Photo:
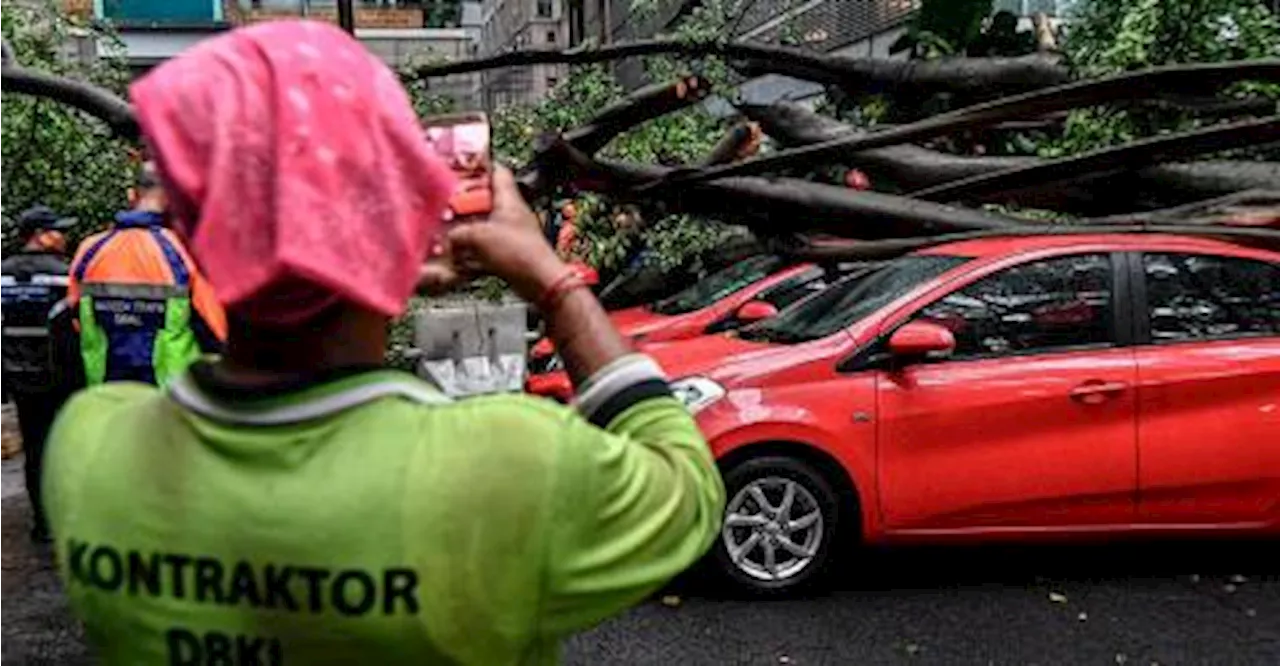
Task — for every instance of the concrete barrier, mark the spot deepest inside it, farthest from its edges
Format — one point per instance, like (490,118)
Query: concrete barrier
(472,347)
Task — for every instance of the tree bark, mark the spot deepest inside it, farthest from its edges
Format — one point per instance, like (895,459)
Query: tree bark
(772,207)
(1005,184)
(912,167)
(536,179)
(95,101)
(1128,86)
(740,142)
(638,108)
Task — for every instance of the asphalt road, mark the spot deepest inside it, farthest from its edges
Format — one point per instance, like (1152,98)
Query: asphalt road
(1215,604)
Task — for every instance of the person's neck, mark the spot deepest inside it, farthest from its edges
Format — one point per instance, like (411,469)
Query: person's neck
(263,355)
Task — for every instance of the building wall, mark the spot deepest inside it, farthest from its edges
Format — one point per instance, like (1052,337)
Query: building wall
(509,25)
(152,31)
(365,17)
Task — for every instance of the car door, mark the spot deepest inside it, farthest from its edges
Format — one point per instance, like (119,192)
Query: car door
(1209,389)
(1030,423)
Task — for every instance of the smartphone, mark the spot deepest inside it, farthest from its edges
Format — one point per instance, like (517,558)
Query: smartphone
(463,141)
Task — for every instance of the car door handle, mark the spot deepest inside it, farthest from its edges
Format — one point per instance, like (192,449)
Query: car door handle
(1095,391)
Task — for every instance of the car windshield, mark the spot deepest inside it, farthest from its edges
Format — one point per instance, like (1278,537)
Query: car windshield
(849,300)
(718,285)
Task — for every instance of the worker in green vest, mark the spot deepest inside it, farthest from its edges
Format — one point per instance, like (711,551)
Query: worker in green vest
(292,502)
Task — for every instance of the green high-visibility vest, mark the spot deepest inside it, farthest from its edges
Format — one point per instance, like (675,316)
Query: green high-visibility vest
(136,332)
(367,519)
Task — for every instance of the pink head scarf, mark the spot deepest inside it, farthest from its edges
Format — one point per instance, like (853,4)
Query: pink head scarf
(297,168)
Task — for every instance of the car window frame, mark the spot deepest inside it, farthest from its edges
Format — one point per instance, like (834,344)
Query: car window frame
(875,355)
(1141,303)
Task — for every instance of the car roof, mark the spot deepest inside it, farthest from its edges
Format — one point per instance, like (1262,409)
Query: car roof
(1014,244)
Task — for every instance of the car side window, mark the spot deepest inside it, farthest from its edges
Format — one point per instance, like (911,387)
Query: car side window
(1205,297)
(1040,306)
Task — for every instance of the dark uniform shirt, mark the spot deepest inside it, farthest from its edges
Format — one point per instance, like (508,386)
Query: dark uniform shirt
(34,282)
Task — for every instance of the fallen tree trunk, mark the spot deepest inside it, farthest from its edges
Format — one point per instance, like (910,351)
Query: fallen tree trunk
(972,76)
(1252,208)
(1003,185)
(1086,93)
(778,206)
(912,167)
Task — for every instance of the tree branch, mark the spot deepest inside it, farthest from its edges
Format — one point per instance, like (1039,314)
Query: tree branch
(7,58)
(95,101)
(1129,156)
(740,142)
(1259,207)
(623,50)
(772,207)
(913,167)
(639,107)
(969,76)
(1085,93)
(635,109)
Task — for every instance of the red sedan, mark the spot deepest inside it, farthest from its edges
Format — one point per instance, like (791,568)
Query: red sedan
(751,290)
(1023,388)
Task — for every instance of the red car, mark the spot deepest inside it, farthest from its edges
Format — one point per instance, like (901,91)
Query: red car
(751,290)
(1026,388)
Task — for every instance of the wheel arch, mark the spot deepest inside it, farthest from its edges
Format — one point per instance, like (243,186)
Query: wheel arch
(852,499)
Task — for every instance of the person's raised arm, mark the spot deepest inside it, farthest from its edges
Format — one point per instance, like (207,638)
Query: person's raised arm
(510,245)
(637,497)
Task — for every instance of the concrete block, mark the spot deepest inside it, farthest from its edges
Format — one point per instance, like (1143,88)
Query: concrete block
(472,347)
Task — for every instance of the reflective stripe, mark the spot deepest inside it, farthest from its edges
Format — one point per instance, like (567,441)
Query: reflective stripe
(177,267)
(152,292)
(24,332)
(91,253)
(613,379)
(40,279)
(52,280)
(184,392)
(58,308)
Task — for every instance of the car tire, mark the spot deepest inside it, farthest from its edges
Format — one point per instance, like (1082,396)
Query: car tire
(739,558)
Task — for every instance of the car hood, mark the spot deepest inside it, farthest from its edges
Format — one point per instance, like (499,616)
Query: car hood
(639,320)
(720,357)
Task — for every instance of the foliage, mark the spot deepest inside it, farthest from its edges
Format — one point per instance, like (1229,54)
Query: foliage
(679,138)
(1108,37)
(55,155)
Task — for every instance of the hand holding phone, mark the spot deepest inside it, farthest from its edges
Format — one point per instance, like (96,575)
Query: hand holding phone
(463,141)
(510,244)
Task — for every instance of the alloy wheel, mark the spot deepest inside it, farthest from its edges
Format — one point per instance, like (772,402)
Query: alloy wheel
(773,529)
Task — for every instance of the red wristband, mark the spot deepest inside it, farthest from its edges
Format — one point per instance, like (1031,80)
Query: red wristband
(557,290)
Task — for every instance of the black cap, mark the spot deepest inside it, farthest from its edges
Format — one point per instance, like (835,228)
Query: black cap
(40,218)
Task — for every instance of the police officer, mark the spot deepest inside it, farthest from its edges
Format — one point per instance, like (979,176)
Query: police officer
(34,281)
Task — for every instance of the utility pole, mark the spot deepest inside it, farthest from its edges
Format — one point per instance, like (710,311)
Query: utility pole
(346,16)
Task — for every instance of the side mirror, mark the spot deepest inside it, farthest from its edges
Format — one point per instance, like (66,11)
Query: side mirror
(753,311)
(921,338)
